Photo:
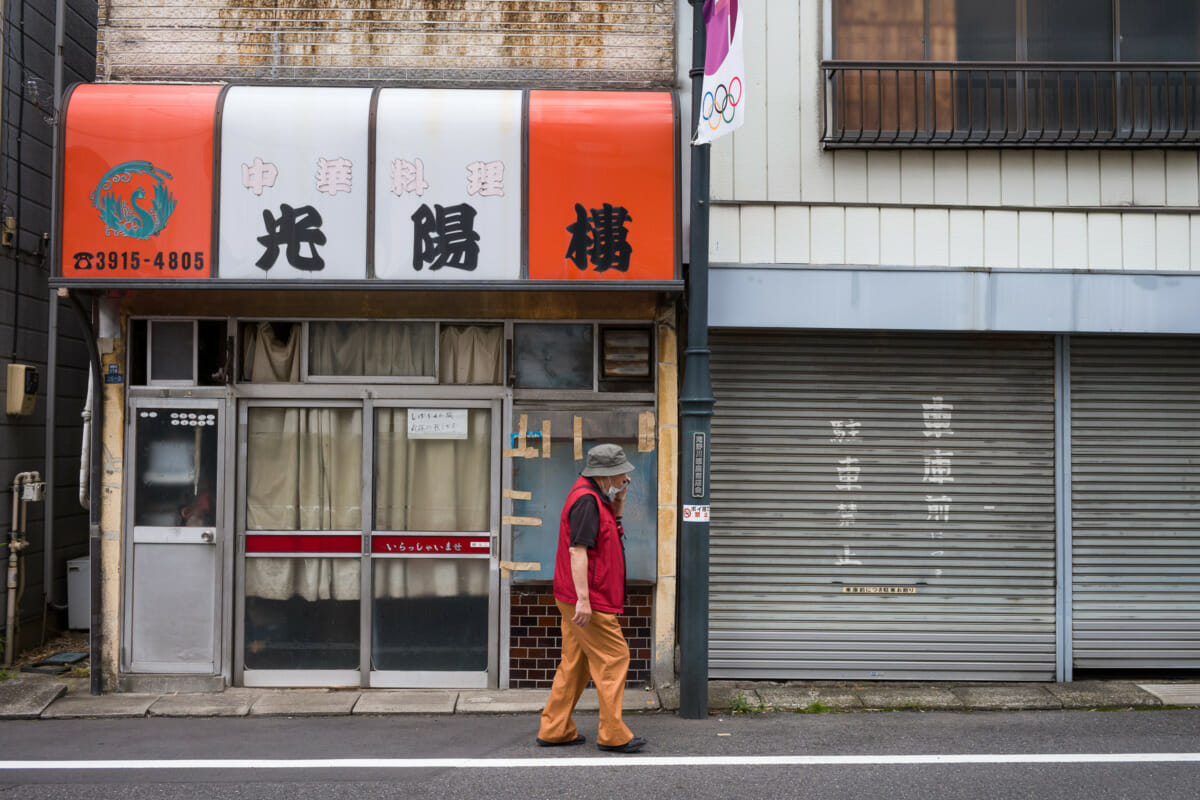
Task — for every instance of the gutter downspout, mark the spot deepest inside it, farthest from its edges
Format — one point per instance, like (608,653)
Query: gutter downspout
(48,604)
(696,408)
(94,635)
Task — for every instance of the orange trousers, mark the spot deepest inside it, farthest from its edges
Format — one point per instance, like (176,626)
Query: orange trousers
(597,650)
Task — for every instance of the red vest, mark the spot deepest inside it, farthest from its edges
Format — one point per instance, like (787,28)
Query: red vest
(606,560)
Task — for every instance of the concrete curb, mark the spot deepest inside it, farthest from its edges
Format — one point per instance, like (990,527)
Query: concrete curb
(44,698)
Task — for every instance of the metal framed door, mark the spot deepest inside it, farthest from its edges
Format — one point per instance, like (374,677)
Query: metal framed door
(173,555)
(369,547)
(432,570)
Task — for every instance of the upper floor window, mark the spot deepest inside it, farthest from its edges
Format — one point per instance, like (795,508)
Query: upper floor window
(1013,73)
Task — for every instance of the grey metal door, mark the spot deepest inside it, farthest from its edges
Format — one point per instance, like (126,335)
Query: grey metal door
(1135,502)
(882,506)
(173,556)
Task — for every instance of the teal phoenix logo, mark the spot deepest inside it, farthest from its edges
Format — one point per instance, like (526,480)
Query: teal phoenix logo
(124,207)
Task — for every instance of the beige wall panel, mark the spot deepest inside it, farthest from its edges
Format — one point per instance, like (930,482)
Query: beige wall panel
(983,178)
(1195,226)
(916,177)
(1183,188)
(1138,241)
(750,141)
(896,236)
(1070,240)
(783,101)
(792,234)
(850,176)
(862,236)
(1083,177)
(1149,178)
(828,235)
(950,177)
(724,234)
(1050,178)
(757,235)
(816,165)
(1104,241)
(966,238)
(1000,238)
(883,176)
(1037,240)
(1116,178)
(1173,241)
(482,42)
(1016,178)
(931,236)
(720,181)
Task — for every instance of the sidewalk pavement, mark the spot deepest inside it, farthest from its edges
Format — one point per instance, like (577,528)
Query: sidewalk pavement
(46,697)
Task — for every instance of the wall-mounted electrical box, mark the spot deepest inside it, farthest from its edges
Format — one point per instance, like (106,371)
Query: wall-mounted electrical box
(21,389)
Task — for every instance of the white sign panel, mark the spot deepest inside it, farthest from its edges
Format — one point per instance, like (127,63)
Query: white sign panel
(448,185)
(695,513)
(294,178)
(437,423)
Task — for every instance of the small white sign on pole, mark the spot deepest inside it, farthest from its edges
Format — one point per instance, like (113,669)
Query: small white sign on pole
(695,513)
(437,423)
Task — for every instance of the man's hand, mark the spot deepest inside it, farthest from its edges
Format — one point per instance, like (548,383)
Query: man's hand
(583,612)
(618,503)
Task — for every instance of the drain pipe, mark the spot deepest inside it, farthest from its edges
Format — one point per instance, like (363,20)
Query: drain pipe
(696,408)
(94,635)
(17,542)
(48,526)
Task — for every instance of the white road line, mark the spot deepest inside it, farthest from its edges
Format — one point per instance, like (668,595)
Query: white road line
(606,761)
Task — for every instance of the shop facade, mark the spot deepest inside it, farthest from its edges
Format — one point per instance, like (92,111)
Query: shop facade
(356,343)
(952,319)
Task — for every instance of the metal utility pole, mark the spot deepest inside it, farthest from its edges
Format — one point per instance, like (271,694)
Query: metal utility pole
(696,408)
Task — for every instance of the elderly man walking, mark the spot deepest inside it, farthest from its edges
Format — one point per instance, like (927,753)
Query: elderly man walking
(589,589)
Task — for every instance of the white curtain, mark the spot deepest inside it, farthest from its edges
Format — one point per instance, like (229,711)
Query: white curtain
(304,465)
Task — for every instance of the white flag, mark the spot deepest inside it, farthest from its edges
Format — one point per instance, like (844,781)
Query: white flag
(721,106)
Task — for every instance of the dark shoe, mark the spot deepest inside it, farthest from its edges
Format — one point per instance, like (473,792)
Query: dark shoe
(632,746)
(580,739)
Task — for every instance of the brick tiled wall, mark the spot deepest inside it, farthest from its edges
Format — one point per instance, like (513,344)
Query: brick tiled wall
(536,641)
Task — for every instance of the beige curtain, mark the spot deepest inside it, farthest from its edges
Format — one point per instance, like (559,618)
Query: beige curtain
(267,359)
(393,349)
(472,354)
(304,465)
(431,485)
(304,473)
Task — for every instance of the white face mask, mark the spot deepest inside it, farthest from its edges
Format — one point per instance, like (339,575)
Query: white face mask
(612,492)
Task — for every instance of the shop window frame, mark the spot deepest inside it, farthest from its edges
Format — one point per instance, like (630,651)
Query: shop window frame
(139,355)
(1015,102)
(598,391)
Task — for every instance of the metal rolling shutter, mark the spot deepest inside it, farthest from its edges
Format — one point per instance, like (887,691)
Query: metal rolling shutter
(783,552)
(1135,499)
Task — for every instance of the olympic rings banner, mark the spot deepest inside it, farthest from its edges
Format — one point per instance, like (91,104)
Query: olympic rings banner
(721,106)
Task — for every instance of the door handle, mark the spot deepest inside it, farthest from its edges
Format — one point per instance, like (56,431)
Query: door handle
(207,537)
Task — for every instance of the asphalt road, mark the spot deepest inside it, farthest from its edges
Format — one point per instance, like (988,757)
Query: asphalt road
(897,756)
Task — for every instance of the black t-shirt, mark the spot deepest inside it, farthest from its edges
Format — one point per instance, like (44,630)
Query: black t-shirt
(584,519)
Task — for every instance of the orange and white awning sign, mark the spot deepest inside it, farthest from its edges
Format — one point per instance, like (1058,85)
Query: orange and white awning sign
(321,184)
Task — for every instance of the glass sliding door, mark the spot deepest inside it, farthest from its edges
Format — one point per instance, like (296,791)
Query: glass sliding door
(302,523)
(433,545)
(391,502)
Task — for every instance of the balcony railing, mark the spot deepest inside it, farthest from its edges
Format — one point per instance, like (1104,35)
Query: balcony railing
(991,104)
